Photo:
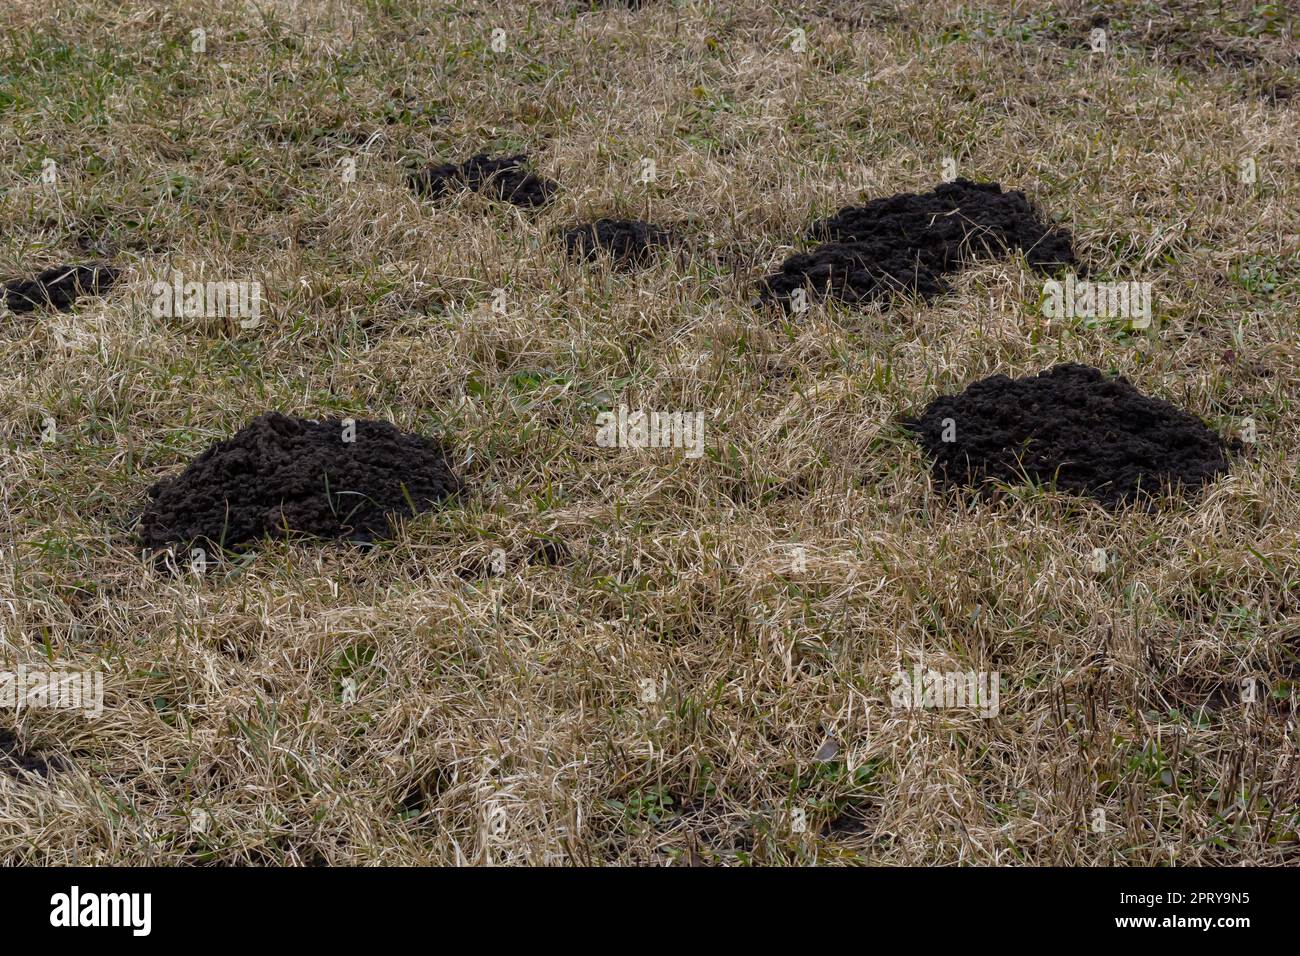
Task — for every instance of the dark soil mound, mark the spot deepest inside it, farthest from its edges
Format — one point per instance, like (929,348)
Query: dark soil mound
(58,287)
(854,272)
(628,242)
(14,759)
(905,244)
(281,475)
(1071,427)
(504,178)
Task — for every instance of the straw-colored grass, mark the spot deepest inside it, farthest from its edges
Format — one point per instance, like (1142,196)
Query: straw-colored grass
(663,695)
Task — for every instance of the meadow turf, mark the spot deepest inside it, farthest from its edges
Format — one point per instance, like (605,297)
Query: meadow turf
(702,675)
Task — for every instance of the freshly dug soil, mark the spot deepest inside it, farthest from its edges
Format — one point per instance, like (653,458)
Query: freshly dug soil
(1071,427)
(14,759)
(281,475)
(906,244)
(504,178)
(628,242)
(58,287)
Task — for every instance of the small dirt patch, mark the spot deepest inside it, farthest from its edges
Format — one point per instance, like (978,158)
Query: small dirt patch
(280,476)
(1071,427)
(14,760)
(58,287)
(627,242)
(505,178)
(906,244)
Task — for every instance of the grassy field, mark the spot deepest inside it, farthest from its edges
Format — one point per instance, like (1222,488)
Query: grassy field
(705,679)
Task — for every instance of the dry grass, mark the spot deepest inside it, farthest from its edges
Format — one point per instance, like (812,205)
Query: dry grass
(517,701)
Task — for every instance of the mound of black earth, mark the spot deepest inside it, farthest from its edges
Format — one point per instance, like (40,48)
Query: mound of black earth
(627,242)
(1072,428)
(58,287)
(281,476)
(505,178)
(14,760)
(907,244)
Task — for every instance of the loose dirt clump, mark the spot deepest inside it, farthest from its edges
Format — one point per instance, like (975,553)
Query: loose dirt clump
(627,242)
(280,476)
(58,287)
(14,760)
(906,244)
(505,178)
(1072,428)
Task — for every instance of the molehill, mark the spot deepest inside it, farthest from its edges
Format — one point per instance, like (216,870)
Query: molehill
(58,287)
(505,178)
(1071,427)
(281,475)
(14,759)
(906,244)
(627,242)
